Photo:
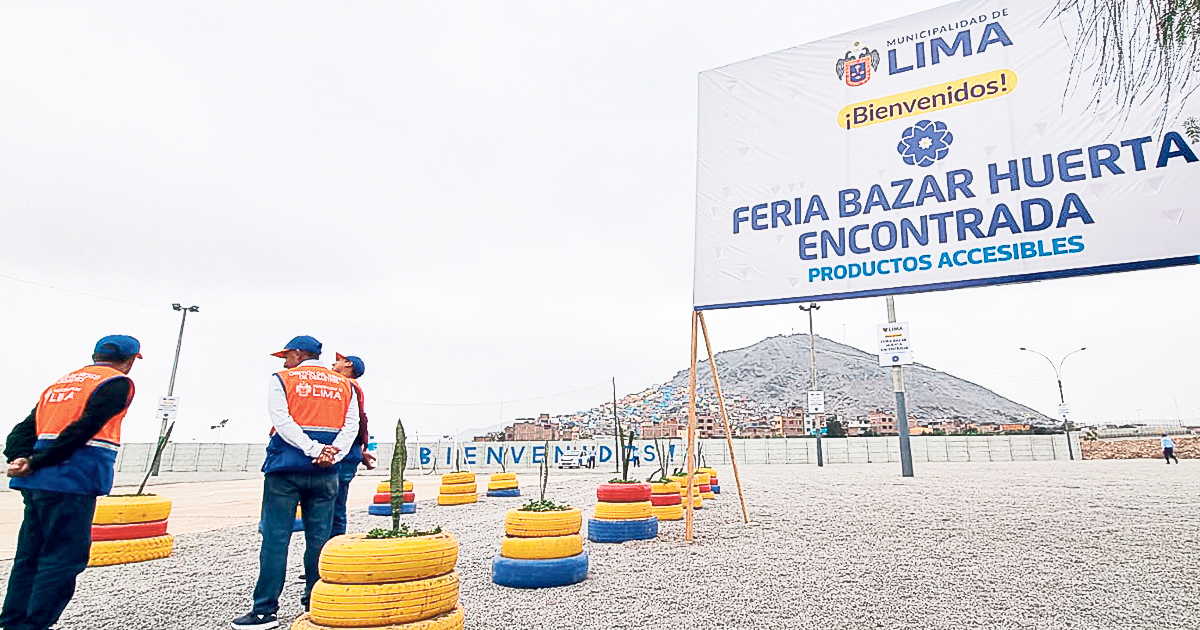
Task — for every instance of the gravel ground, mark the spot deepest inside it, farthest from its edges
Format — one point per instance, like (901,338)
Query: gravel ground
(1105,544)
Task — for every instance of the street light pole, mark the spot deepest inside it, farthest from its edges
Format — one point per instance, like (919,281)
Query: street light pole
(812,355)
(174,367)
(1061,399)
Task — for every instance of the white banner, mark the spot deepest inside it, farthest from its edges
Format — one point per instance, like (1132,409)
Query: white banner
(951,148)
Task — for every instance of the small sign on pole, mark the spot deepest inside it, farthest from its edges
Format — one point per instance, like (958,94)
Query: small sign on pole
(167,407)
(893,344)
(1064,411)
(816,402)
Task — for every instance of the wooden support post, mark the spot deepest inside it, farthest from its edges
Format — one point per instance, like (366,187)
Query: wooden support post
(712,363)
(691,431)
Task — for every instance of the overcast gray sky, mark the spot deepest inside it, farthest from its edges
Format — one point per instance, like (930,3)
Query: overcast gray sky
(487,201)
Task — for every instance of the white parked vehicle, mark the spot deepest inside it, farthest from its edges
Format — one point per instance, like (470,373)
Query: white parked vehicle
(573,458)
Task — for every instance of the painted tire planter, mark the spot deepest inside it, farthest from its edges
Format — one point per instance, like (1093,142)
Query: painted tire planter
(452,620)
(541,550)
(666,504)
(130,529)
(388,584)
(628,507)
(600,531)
(458,489)
(511,492)
(712,480)
(668,512)
(381,503)
(503,481)
(540,573)
(716,489)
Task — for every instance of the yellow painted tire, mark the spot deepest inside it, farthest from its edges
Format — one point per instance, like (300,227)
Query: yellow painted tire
(354,559)
(701,479)
(458,488)
(635,511)
(502,485)
(697,501)
(665,488)
(668,512)
(106,552)
(541,548)
(452,620)
(711,472)
(457,499)
(458,477)
(386,486)
(135,509)
(352,605)
(536,524)
(708,496)
(503,477)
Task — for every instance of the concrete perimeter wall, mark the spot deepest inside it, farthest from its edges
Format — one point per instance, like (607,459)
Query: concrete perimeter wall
(204,457)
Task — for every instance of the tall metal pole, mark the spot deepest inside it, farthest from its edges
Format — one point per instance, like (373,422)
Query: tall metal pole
(1061,400)
(617,454)
(812,357)
(906,467)
(174,367)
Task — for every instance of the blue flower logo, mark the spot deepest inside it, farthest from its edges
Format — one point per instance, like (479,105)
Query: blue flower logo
(925,143)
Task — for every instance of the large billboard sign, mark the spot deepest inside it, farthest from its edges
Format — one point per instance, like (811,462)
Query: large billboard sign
(962,146)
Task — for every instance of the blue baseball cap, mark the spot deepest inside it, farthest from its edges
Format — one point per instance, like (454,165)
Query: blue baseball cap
(304,343)
(356,363)
(121,345)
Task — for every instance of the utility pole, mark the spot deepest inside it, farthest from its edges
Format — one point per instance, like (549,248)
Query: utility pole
(616,427)
(174,367)
(812,356)
(906,467)
(1061,400)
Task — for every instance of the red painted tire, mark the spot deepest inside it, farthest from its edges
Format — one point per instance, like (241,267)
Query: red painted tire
(383,497)
(659,500)
(705,488)
(129,531)
(623,492)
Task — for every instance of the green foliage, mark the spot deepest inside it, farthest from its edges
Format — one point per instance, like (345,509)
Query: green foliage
(1191,127)
(543,505)
(545,471)
(401,532)
(399,462)
(835,428)
(620,480)
(659,479)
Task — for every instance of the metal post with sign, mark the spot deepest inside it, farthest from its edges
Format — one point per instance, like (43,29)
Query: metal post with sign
(894,351)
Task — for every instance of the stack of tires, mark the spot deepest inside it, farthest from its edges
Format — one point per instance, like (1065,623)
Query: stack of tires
(697,500)
(623,512)
(388,583)
(381,505)
(130,529)
(503,485)
(704,484)
(713,482)
(666,504)
(541,550)
(458,488)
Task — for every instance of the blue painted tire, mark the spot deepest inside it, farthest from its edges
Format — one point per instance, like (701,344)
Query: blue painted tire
(297,526)
(516,573)
(621,531)
(716,489)
(507,492)
(385,509)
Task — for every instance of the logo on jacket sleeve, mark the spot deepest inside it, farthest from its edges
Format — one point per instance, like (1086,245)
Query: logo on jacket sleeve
(856,68)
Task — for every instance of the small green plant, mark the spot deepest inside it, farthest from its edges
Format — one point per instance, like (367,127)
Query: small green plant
(658,479)
(401,532)
(664,457)
(399,461)
(1191,127)
(503,459)
(544,505)
(544,472)
(620,480)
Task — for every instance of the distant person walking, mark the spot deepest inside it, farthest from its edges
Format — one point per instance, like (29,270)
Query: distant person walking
(1168,447)
(352,368)
(314,415)
(61,458)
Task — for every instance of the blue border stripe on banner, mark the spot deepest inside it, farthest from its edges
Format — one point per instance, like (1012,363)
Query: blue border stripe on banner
(962,284)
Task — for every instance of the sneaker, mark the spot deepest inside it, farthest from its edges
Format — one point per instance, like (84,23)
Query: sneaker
(254,621)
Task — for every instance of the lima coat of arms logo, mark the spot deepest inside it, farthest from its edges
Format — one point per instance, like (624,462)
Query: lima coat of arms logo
(856,70)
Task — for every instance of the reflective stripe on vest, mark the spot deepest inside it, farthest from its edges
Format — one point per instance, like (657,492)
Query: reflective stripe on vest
(317,397)
(64,402)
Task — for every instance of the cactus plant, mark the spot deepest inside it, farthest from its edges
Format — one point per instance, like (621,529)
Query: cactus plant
(399,461)
(544,472)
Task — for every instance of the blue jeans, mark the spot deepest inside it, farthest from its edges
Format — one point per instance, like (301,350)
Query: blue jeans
(315,493)
(52,549)
(345,474)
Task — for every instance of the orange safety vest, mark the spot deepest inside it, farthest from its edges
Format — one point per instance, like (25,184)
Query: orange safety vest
(317,397)
(63,403)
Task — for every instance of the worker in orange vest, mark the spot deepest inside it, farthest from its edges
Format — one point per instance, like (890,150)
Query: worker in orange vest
(61,458)
(314,415)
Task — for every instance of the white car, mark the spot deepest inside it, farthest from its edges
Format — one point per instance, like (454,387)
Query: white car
(572,458)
